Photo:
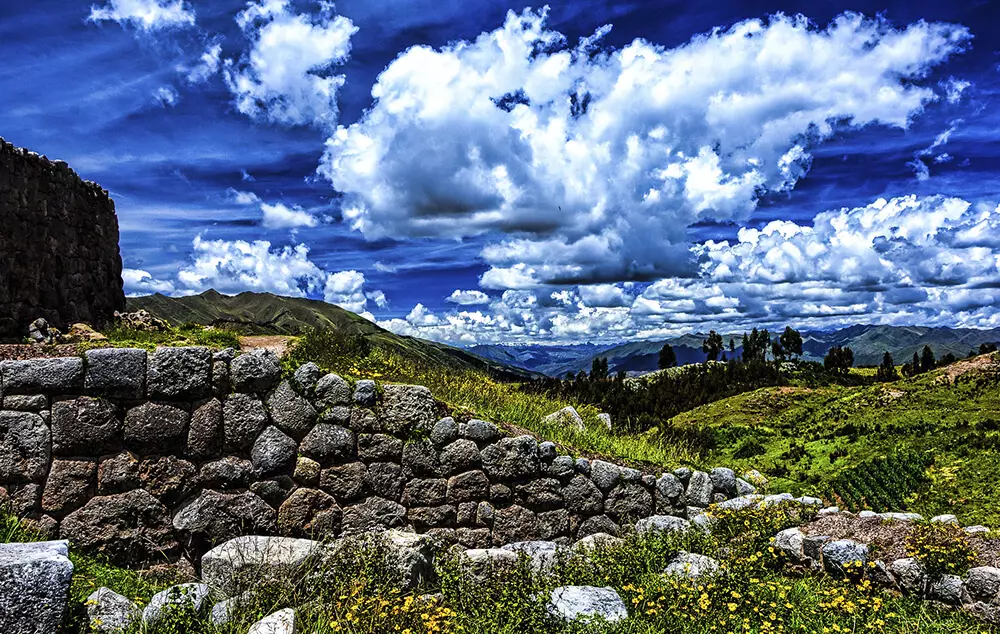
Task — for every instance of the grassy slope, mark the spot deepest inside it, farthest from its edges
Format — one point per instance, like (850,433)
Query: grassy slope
(264,313)
(955,424)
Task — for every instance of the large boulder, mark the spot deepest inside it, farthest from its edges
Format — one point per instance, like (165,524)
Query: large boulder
(328,443)
(983,583)
(46,376)
(947,589)
(511,458)
(309,512)
(582,496)
(205,436)
(169,478)
(116,373)
(34,586)
(69,485)
(331,391)
(629,500)
(909,575)
(25,447)
(255,372)
(570,603)
(240,564)
(605,475)
(131,527)
(723,480)
(85,426)
(179,373)
(515,523)
(567,417)
(480,431)
(379,447)
(460,455)
(699,489)
(791,542)
(110,612)
(214,517)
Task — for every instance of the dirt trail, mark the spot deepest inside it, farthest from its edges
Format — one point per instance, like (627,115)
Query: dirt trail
(278,344)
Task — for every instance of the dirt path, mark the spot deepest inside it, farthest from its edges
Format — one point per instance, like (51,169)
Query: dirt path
(278,344)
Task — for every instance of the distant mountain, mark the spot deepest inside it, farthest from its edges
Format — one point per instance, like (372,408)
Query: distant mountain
(265,313)
(869,343)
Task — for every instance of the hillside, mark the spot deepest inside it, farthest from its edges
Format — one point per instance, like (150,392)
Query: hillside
(265,313)
(832,439)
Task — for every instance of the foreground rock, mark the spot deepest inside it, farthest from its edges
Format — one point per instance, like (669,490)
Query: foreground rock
(189,597)
(692,566)
(241,563)
(109,611)
(281,622)
(34,585)
(582,602)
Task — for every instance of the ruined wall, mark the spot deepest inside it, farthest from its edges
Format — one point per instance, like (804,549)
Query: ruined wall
(59,256)
(140,455)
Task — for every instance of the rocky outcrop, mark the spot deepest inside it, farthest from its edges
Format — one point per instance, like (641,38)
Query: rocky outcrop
(59,243)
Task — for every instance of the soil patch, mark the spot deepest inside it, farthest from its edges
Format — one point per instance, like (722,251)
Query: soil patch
(19,352)
(278,344)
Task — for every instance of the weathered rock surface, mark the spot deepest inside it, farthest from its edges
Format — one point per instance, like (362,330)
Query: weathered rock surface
(108,611)
(131,527)
(580,602)
(24,447)
(239,564)
(692,566)
(186,596)
(34,586)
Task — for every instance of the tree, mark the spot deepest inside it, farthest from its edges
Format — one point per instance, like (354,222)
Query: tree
(927,361)
(712,346)
(987,348)
(755,346)
(777,351)
(887,371)
(791,341)
(599,369)
(732,348)
(667,358)
(915,364)
(839,360)
(907,369)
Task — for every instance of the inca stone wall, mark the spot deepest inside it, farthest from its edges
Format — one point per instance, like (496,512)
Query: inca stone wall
(59,256)
(140,456)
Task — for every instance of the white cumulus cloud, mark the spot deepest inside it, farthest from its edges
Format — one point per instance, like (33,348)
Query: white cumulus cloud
(285,76)
(148,15)
(468,298)
(140,282)
(280,216)
(595,162)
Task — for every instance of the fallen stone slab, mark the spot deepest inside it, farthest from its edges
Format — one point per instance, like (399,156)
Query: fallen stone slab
(281,622)
(587,602)
(34,585)
(241,563)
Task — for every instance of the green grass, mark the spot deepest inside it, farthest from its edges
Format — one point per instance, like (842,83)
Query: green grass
(805,438)
(184,335)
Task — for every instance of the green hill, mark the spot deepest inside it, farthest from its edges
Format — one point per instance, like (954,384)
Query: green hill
(267,314)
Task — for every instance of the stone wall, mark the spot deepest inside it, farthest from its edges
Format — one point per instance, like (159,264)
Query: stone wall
(143,456)
(59,256)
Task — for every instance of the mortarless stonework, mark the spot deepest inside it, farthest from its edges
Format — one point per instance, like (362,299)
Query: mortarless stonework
(141,457)
(59,256)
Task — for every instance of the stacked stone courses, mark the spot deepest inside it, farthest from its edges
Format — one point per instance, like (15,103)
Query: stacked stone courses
(141,456)
(59,255)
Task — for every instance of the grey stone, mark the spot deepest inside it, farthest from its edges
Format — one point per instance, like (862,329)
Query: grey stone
(118,473)
(466,513)
(359,419)
(944,519)
(683,474)
(511,458)
(205,432)
(274,491)
(273,453)
(812,546)
(909,574)
(191,597)
(169,478)
(421,459)
(423,518)
(230,472)
(547,451)
(567,417)
(582,466)
(468,487)
(243,563)
(69,485)
(407,407)
(542,555)
(723,480)
(501,494)
(661,524)
(605,475)
(156,428)
(243,418)
(776,499)
(345,482)
(597,541)
(561,467)
(108,611)
(830,510)
(430,492)
(571,603)
(308,513)
(445,431)
(481,431)
(307,471)
(281,622)
(540,494)
(47,376)
(291,413)
(978,529)
(131,527)
(699,489)
(331,390)
(179,373)
(692,566)
(983,583)
(460,455)
(844,556)
(597,524)
(25,447)
(900,517)
(364,393)
(744,488)
(583,497)
(116,373)
(630,475)
(328,443)
(629,500)
(224,612)
(791,542)
(473,537)
(554,525)
(485,514)
(306,377)
(34,586)
(85,426)
(947,589)
(214,517)
(374,512)
(255,372)
(740,503)
(808,500)
(605,419)
(222,386)
(26,402)
(386,478)
(514,523)
(379,447)
(412,555)
(23,499)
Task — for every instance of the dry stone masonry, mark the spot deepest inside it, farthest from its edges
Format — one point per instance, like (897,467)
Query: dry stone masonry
(59,256)
(140,455)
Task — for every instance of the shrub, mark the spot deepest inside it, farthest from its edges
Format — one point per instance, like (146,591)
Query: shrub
(941,548)
(748,448)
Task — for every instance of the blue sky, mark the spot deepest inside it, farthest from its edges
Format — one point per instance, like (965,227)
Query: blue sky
(492,172)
